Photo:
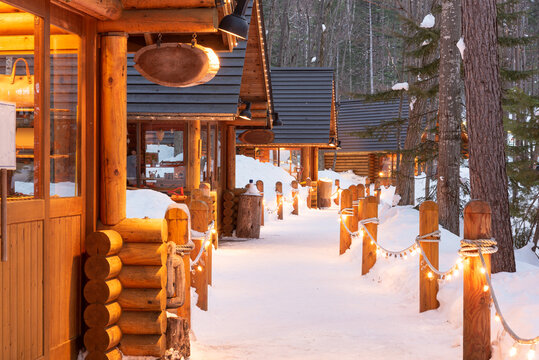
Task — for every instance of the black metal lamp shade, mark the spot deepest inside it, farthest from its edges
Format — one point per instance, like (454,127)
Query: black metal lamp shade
(236,23)
(245,114)
(276,120)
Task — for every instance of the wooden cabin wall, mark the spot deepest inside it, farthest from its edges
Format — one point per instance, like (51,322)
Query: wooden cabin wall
(357,162)
(40,299)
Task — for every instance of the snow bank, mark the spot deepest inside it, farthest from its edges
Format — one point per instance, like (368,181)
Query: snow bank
(147,203)
(400,86)
(428,21)
(346,178)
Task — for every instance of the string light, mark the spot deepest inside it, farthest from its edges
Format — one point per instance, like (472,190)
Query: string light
(213,231)
(430,275)
(513,350)
(482,270)
(497,318)
(199,268)
(485,288)
(531,352)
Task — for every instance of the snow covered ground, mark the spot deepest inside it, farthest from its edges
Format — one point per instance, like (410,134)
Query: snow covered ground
(289,295)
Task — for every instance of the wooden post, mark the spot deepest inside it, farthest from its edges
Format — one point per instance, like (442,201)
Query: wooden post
(345,237)
(248,225)
(378,193)
(367,187)
(199,213)
(355,216)
(295,196)
(370,210)
(324,193)
(476,301)
(230,164)
(305,163)
(428,286)
(279,191)
(113,127)
(309,199)
(194,152)
(337,187)
(360,204)
(314,165)
(205,189)
(179,231)
(260,187)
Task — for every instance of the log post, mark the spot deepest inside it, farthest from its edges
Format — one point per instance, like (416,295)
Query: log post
(360,205)
(260,187)
(194,153)
(476,301)
(314,164)
(230,164)
(295,197)
(428,285)
(309,199)
(305,163)
(355,217)
(346,221)
(279,192)
(113,127)
(378,193)
(337,187)
(324,193)
(199,213)
(179,231)
(370,210)
(248,225)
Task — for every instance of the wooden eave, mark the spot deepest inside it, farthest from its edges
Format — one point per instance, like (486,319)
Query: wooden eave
(134,117)
(322,146)
(255,82)
(175,20)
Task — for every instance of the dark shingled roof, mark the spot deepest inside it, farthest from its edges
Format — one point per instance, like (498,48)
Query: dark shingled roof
(216,98)
(357,115)
(302,97)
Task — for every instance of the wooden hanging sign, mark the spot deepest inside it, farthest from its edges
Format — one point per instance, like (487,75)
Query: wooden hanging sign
(258,136)
(177,64)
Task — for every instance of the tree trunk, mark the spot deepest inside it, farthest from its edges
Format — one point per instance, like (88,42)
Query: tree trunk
(449,116)
(488,177)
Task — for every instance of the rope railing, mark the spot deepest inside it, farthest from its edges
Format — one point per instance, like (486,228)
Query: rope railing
(206,237)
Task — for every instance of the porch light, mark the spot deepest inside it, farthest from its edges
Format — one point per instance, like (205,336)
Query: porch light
(236,23)
(276,120)
(245,114)
(332,142)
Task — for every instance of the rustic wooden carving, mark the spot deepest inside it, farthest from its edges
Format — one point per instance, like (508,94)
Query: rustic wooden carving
(258,136)
(176,64)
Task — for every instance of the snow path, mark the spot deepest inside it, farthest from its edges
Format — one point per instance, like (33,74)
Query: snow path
(289,295)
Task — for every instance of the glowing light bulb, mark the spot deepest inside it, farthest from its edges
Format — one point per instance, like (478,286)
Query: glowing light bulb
(339,220)
(199,268)
(372,242)
(213,231)
(207,245)
(497,318)
(513,350)
(482,270)
(449,276)
(485,288)
(531,353)
(378,251)
(430,275)
(405,257)
(456,272)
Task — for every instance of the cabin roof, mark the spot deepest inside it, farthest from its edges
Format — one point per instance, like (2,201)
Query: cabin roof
(303,98)
(214,100)
(357,115)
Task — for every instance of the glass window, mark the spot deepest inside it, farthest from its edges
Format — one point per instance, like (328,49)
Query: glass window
(64,114)
(17,86)
(164,166)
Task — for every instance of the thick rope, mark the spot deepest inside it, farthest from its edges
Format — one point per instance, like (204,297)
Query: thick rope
(473,247)
(507,328)
(206,237)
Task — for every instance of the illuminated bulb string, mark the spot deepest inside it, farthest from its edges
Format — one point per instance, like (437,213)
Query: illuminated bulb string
(518,340)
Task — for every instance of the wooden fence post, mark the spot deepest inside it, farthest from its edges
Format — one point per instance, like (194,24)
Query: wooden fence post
(355,217)
(428,285)
(378,193)
(260,187)
(309,199)
(199,213)
(179,231)
(324,193)
(476,301)
(337,187)
(346,219)
(370,210)
(360,204)
(279,192)
(295,196)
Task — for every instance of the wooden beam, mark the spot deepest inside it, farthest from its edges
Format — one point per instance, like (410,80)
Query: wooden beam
(21,24)
(16,44)
(161,4)
(193,155)
(255,122)
(113,127)
(101,9)
(230,163)
(203,20)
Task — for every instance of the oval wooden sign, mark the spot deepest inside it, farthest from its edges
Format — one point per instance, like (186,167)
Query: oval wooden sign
(258,136)
(177,65)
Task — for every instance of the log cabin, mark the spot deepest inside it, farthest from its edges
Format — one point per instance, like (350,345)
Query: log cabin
(66,61)
(304,99)
(370,157)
